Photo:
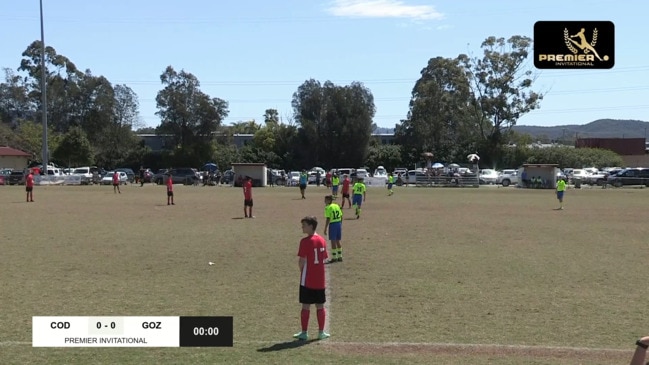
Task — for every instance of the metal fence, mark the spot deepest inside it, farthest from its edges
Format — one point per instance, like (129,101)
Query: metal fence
(465,181)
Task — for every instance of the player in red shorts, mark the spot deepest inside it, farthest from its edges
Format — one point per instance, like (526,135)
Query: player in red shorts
(312,254)
(346,183)
(29,186)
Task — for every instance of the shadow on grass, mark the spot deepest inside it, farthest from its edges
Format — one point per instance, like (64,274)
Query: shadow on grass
(286,345)
(237,218)
(298,199)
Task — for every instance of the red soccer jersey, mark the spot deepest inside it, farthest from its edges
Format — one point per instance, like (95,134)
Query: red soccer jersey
(170,184)
(314,250)
(346,186)
(116,178)
(29,181)
(247,190)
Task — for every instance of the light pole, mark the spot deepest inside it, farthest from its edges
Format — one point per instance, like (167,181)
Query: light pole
(45,151)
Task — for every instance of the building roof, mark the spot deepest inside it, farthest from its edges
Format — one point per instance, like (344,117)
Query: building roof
(8,151)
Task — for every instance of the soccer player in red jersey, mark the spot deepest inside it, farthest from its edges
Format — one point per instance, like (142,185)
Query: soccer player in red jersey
(170,190)
(116,182)
(312,256)
(29,186)
(247,197)
(346,184)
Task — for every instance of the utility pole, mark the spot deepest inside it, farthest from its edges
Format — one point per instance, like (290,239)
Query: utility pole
(45,151)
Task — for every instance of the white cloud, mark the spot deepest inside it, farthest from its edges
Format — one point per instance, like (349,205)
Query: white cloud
(383,9)
(444,27)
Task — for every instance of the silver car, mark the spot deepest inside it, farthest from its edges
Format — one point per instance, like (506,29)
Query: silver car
(508,177)
(488,176)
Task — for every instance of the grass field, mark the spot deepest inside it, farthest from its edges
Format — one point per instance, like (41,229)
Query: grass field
(431,276)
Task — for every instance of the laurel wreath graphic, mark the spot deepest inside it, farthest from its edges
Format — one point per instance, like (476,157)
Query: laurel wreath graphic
(566,38)
(593,42)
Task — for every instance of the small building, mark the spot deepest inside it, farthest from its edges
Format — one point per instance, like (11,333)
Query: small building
(257,171)
(11,158)
(547,173)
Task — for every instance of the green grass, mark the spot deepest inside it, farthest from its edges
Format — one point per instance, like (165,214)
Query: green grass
(455,266)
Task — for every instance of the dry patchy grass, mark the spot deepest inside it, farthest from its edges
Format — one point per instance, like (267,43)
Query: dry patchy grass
(432,266)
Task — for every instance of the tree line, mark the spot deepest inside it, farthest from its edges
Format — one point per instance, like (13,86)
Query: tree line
(458,106)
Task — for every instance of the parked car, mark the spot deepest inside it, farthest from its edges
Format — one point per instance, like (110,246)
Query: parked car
(596,178)
(630,177)
(108,178)
(313,177)
(54,171)
(16,177)
(293,178)
(362,173)
(129,173)
(158,177)
(580,174)
(278,177)
(400,170)
(4,176)
(148,176)
(412,176)
(488,176)
(323,172)
(227,177)
(345,171)
(507,177)
(180,175)
(381,172)
(85,173)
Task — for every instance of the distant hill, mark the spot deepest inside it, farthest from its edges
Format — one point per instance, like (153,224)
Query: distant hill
(602,128)
(383,130)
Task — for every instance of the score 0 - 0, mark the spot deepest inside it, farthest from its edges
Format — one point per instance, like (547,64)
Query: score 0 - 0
(102,326)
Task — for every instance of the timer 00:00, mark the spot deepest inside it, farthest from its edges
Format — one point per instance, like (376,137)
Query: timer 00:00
(209,331)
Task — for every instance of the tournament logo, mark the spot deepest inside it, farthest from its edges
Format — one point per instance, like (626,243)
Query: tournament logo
(574,45)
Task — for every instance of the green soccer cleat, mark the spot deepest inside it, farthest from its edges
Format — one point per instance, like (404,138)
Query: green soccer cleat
(323,335)
(302,336)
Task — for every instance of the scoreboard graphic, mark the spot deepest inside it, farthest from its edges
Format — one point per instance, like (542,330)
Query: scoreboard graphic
(77,331)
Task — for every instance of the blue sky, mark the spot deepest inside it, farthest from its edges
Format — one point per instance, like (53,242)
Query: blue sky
(255,53)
